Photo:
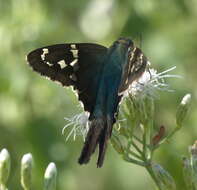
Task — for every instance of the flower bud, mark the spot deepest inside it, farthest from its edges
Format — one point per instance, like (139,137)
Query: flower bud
(165,179)
(183,109)
(50,177)
(26,171)
(4,167)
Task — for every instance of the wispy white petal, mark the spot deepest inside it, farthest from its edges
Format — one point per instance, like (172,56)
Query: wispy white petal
(151,82)
(79,124)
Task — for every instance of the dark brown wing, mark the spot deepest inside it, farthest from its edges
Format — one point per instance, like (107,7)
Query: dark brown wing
(79,65)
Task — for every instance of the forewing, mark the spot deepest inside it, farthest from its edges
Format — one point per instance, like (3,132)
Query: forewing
(79,65)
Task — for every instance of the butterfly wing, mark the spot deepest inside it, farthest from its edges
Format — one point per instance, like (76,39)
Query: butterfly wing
(78,65)
(135,67)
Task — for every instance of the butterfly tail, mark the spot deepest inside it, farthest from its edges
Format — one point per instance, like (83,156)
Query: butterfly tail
(105,136)
(98,134)
(92,140)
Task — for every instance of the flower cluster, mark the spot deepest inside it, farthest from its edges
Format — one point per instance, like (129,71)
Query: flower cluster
(150,83)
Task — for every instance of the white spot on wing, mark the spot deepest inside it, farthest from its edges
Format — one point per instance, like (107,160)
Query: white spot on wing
(49,64)
(73,46)
(62,64)
(43,56)
(45,51)
(74,52)
(73,62)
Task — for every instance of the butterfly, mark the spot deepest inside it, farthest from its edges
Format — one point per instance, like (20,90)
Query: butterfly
(100,76)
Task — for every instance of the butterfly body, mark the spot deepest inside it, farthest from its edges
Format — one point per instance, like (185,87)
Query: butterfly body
(108,85)
(100,75)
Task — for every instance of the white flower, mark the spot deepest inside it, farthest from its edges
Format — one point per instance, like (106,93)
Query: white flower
(79,124)
(150,82)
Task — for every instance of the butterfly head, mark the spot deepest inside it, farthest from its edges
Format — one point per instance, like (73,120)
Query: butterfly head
(124,43)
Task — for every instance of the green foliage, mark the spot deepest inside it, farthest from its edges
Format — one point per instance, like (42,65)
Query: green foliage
(138,146)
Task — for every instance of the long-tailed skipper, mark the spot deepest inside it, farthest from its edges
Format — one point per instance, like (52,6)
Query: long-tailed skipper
(100,76)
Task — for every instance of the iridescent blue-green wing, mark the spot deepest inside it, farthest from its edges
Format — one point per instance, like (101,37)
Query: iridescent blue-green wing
(78,65)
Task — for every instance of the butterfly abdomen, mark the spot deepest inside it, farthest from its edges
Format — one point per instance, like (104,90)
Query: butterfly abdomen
(98,134)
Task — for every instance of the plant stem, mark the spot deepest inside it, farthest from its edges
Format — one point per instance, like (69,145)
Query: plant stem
(150,171)
(148,159)
(136,147)
(131,160)
(144,141)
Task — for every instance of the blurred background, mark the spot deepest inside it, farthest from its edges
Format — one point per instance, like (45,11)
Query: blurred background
(32,109)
